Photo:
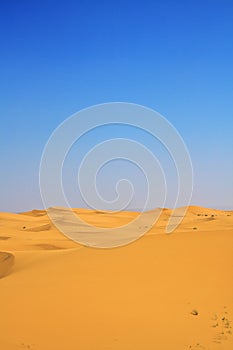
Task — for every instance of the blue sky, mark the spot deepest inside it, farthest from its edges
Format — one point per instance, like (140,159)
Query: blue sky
(58,57)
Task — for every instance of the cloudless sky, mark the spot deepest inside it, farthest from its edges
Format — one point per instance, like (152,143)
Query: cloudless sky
(57,57)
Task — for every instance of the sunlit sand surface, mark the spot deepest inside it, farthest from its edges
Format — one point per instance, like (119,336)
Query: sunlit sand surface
(163,291)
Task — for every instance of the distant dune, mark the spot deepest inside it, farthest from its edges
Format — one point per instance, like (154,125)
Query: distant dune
(164,291)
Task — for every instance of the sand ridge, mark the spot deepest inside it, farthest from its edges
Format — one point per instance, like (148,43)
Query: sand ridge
(6,263)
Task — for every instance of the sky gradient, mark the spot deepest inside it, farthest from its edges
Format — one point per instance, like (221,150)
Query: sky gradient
(58,57)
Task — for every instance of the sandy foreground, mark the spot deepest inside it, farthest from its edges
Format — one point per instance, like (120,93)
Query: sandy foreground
(162,292)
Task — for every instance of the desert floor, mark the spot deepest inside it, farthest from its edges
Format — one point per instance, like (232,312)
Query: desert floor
(161,292)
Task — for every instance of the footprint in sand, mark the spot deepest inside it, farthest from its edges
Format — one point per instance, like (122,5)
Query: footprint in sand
(27,346)
(223,327)
(196,346)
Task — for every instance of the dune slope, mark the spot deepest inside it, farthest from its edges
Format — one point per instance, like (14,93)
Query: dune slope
(6,263)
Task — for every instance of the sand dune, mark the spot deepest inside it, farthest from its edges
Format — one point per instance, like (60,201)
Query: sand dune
(161,292)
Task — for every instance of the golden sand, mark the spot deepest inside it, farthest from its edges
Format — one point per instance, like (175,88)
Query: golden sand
(162,292)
